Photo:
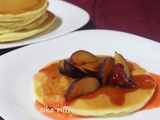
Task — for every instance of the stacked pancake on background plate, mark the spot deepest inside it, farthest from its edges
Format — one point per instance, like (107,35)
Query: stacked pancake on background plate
(23,18)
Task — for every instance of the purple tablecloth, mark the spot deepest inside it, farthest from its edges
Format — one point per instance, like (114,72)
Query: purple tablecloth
(140,17)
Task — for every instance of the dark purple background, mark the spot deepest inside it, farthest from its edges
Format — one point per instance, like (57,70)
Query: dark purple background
(140,17)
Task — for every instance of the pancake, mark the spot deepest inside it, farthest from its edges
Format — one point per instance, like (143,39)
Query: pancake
(21,10)
(18,35)
(50,87)
(23,18)
(22,22)
(4,30)
(17,20)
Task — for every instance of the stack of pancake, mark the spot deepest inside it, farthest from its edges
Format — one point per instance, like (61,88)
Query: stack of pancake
(20,19)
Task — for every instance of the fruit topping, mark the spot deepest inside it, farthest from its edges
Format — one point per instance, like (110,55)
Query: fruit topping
(91,68)
(81,87)
(61,67)
(81,57)
(105,69)
(119,78)
(92,72)
(120,59)
(70,70)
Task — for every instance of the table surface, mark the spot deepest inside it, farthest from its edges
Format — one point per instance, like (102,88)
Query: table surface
(139,17)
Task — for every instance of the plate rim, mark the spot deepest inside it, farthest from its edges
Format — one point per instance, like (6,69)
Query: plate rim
(7,55)
(46,38)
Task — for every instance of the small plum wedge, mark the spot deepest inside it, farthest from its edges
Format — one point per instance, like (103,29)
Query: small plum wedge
(121,60)
(105,70)
(81,87)
(91,68)
(61,66)
(70,70)
(81,57)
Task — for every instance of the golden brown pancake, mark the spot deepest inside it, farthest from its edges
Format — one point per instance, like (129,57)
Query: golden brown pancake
(4,30)
(23,18)
(11,10)
(18,35)
(50,88)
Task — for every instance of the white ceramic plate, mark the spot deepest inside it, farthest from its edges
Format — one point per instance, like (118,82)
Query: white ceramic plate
(69,18)
(18,67)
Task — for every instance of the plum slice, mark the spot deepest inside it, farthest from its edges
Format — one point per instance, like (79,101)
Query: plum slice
(81,87)
(120,75)
(61,67)
(91,68)
(81,57)
(120,59)
(105,69)
(70,70)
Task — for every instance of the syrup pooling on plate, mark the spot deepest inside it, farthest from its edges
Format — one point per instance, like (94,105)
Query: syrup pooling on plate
(154,101)
(83,85)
